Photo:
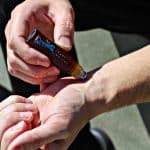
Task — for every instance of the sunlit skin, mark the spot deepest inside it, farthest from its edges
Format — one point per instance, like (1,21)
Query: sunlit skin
(66,105)
(25,62)
(17,115)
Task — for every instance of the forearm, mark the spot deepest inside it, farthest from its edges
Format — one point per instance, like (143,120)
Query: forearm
(119,83)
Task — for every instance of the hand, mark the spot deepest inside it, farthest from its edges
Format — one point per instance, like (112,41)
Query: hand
(16,116)
(25,62)
(62,117)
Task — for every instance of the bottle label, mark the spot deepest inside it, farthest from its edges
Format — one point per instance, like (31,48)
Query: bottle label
(46,44)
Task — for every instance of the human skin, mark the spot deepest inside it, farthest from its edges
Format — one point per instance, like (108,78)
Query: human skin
(25,62)
(67,105)
(16,116)
(52,118)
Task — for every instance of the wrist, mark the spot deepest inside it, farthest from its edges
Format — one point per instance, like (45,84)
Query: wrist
(119,83)
(100,92)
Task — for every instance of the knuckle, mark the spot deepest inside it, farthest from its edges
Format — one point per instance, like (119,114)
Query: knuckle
(9,117)
(39,74)
(13,97)
(15,108)
(36,74)
(11,61)
(28,58)
(11,70)
(16,9)
(7,33)
(13,12)
(16,98)
(67,24)
(68,20)
(11,43)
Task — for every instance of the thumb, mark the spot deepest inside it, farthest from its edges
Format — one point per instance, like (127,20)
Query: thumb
(64,28)
(37,137)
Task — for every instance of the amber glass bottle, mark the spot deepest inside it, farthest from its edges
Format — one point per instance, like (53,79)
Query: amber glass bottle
(57,55)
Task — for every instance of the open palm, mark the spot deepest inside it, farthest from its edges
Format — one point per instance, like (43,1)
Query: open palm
(62,115)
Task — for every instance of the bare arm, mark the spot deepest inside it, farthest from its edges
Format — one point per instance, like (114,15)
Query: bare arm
(121,82)
(67,105)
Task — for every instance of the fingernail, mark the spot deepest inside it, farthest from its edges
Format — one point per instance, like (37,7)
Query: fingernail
(26,115)
(65,41)
(19,126)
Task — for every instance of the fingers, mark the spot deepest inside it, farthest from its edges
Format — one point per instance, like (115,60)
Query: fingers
(35,80)
(21,24)
(13,110)
(64,26)
(36,138)
(12,133)
(23,61)
(13,99)
(30,73)
(18,107)
(11,118)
